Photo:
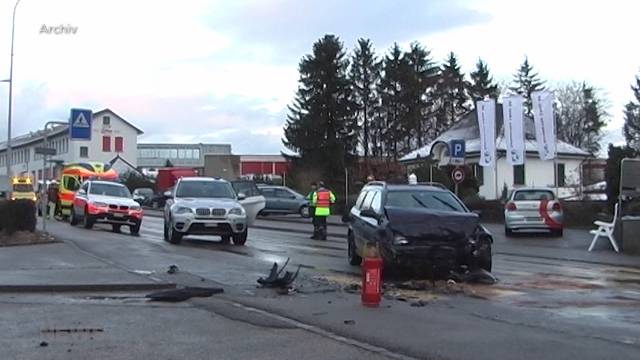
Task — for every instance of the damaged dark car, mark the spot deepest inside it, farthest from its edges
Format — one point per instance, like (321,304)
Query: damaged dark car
(418,227)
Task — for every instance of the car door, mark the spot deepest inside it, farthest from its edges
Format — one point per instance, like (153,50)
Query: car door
(354,217)
(254,201)
(270,198)
(286,201)
(370,225)
(80,199)
(363,224)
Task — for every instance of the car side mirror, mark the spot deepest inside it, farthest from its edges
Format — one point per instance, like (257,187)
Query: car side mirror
(241,196)
(167,194)
(82,192)
(369,213)
(477,212)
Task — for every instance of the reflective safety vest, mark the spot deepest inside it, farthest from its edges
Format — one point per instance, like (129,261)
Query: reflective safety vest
(322,200)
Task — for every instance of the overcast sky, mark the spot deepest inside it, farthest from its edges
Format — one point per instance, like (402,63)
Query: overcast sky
(224,71)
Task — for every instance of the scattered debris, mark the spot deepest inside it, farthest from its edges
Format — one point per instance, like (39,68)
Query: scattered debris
(349,322)
(275,281)
(419,303)
(451,282)
(413,285)
(183,294)
(142,272)
(44,344)
(172,269)
(352,288)
(481,276)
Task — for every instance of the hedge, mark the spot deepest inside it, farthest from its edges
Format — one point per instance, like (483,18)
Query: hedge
(17,215)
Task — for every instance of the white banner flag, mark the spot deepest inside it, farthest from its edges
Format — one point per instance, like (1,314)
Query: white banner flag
(514,129)
(545,126)
(486,111)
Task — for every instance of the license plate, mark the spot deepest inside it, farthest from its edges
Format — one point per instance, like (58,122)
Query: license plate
(211,225)
(118,215)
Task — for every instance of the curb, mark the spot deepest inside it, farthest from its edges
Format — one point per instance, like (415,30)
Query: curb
(84,287)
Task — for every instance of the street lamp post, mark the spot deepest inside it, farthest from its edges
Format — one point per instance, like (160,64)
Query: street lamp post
(10,81)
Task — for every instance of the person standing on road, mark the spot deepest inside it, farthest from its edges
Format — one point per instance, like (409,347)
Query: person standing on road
(322,200)
(52,199)
(312,210)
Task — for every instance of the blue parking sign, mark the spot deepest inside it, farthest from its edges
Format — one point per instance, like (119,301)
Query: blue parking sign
(457,149)
(80,124)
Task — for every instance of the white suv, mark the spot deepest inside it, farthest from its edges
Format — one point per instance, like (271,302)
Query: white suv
(204,206)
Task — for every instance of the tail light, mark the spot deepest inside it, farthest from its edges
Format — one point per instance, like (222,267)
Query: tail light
(556,207)
(511,206)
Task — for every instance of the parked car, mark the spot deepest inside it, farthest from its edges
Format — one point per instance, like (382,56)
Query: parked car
(143,196)
(533,209)
(417,226)
(105,202)
(205,206)
(283,200)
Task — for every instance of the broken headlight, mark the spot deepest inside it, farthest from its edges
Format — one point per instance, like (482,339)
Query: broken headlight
(400,240)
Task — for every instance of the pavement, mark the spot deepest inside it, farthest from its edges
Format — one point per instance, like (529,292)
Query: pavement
(554,300)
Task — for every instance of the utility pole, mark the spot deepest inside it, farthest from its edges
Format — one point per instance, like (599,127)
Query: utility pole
(10,81)
(44,197)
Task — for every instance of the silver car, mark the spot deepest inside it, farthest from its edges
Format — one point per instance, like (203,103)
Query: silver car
(533,209)
(204,206)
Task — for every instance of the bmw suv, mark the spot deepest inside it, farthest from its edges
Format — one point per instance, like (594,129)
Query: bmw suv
(204,206)
(417,226)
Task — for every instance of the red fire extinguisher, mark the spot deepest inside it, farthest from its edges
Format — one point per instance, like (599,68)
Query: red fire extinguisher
(371,281)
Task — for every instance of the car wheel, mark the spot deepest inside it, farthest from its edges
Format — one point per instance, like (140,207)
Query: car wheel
(174,237)
(240,239)
(304,211)
(87,220)
(352,254)
(508,232)
(73,220)
(166,231)
(116,228)
(135,229)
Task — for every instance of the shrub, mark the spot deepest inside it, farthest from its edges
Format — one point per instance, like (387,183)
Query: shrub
(18,215)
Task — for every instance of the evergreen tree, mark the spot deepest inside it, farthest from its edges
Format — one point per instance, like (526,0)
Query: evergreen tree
(581,116)
(420,78)
(526,81)
(632,118)
(321,125)
(392,93)
(365,78)
(452,99)
(482,84)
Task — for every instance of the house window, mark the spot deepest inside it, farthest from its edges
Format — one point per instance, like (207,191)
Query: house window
(478,172)
(560,175)
(119,144)
(84,152)
(106,143)
(106,120)
(518,175)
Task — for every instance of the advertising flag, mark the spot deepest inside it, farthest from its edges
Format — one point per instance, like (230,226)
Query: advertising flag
(514,129)
(486,111)
(545,125)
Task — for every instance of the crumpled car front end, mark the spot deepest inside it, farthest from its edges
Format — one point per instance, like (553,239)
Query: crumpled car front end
(430,239)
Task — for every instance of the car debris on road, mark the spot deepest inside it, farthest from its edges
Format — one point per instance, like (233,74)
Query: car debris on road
(275,281)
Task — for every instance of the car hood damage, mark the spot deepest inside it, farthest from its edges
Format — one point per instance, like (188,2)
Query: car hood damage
(428,225)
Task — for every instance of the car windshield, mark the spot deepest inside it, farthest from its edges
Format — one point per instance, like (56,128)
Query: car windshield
(436,200)
(205,189)
(22,187)
(533,195)
(109,190)
(248,188)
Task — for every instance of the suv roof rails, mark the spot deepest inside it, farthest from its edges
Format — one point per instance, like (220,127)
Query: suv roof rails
(376,183)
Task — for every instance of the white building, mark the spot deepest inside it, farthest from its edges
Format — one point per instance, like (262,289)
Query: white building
(111,136)
(566,175)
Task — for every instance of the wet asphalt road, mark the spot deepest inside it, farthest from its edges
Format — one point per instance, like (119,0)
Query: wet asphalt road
(582,298)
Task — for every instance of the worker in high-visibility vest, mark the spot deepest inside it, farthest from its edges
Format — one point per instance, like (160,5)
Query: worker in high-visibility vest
(323,198)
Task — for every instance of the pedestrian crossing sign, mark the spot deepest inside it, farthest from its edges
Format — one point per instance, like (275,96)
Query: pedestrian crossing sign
(80,124)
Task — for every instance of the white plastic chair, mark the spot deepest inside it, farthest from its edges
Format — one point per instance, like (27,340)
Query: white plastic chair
(605,229)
